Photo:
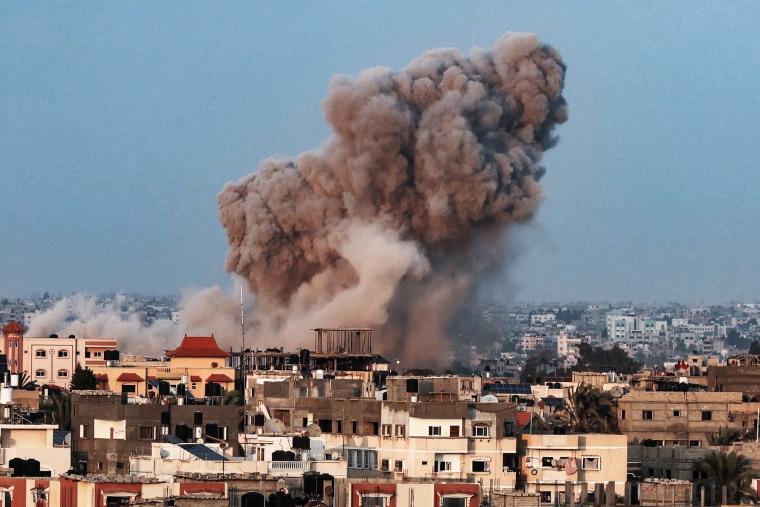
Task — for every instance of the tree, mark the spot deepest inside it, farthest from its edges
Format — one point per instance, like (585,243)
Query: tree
(732,471)
(600,360)
(726,436)
(26,383)
(83,379)
(591,410)
(61,410)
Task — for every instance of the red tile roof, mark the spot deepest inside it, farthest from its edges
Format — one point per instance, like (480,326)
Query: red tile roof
(218,377)
(13,327)
(128,376)
(198,346)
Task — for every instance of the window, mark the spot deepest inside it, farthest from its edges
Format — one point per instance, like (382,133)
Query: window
(40,353)
(398,465)
(590,462)
(362,459)
(546,496)
(706,415)
(84,431)
(676,413)
(400,430)
(480,465)
(480,430)
(510,461)
(63,353)
(453,431)
(303,392)
(508,429)
(193,386)
(147,433)
(384,465)
(39,373)
(546,461)
(373,501)
(63,374)
(647,415)
(97,354)
(443,466)
(434,431)
(354,425)
(622,414)
(386,430)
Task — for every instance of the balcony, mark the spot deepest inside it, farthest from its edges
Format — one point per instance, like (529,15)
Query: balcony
(287,468)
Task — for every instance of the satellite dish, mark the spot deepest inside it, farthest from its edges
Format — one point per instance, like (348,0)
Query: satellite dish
(164,454)
(489,398)
(616,391)
(67,439)
(313,430)
(274,426)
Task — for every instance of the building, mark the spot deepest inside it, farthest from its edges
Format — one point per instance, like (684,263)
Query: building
(559,467)
(107,430)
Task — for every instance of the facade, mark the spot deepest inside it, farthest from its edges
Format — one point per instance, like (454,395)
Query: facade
(13,341)
(549,462)
(52,360)
(675,417)
(106,430)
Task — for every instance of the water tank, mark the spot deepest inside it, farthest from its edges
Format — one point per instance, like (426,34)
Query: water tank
(280,499)
(312,483)
(184,378)
(165,418)
(6,395)
(17,464)
(252,499)
(319,374)
(32,468)
(198,419)
(14,379)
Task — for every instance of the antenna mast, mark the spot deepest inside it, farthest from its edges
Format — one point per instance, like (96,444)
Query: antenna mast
(242,321)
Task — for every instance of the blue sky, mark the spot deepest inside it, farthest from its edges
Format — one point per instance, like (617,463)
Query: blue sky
(121,122)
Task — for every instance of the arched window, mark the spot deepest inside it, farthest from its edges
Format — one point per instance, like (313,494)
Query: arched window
(39,373)
(63,374)
(63,353)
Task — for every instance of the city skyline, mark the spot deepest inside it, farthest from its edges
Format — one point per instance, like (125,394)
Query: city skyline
(121,125)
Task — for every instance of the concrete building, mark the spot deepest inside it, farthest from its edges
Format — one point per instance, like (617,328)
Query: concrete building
(106,430)
(580,461)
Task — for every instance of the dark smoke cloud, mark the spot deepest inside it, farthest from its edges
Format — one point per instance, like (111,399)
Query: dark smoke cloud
(391,222)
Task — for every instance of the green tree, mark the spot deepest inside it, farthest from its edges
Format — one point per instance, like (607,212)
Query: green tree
(726,436)
(26,383)
(754,347)
(83,378)
(591,410)
(732,471)
(60,409)
(600,360)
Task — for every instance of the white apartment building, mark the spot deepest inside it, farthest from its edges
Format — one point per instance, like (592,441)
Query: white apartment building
(567,347)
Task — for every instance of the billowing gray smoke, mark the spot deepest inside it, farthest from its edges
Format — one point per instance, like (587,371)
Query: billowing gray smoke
(390,223)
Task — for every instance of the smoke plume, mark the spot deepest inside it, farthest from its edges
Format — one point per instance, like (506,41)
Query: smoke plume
(393,220)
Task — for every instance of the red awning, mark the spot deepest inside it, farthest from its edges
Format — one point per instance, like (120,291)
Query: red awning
(218,377)
(195,378)
(101,376)
(129,377)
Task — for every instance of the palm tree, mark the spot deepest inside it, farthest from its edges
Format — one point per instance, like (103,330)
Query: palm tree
(61,411)
(731,473)
(591,410)
(25,382)
(726,436)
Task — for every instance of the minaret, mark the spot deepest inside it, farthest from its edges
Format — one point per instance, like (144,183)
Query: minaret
(13,346)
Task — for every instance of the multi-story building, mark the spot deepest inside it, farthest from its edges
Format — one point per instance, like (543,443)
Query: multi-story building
(106,429)
(558,467)
(52,360)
